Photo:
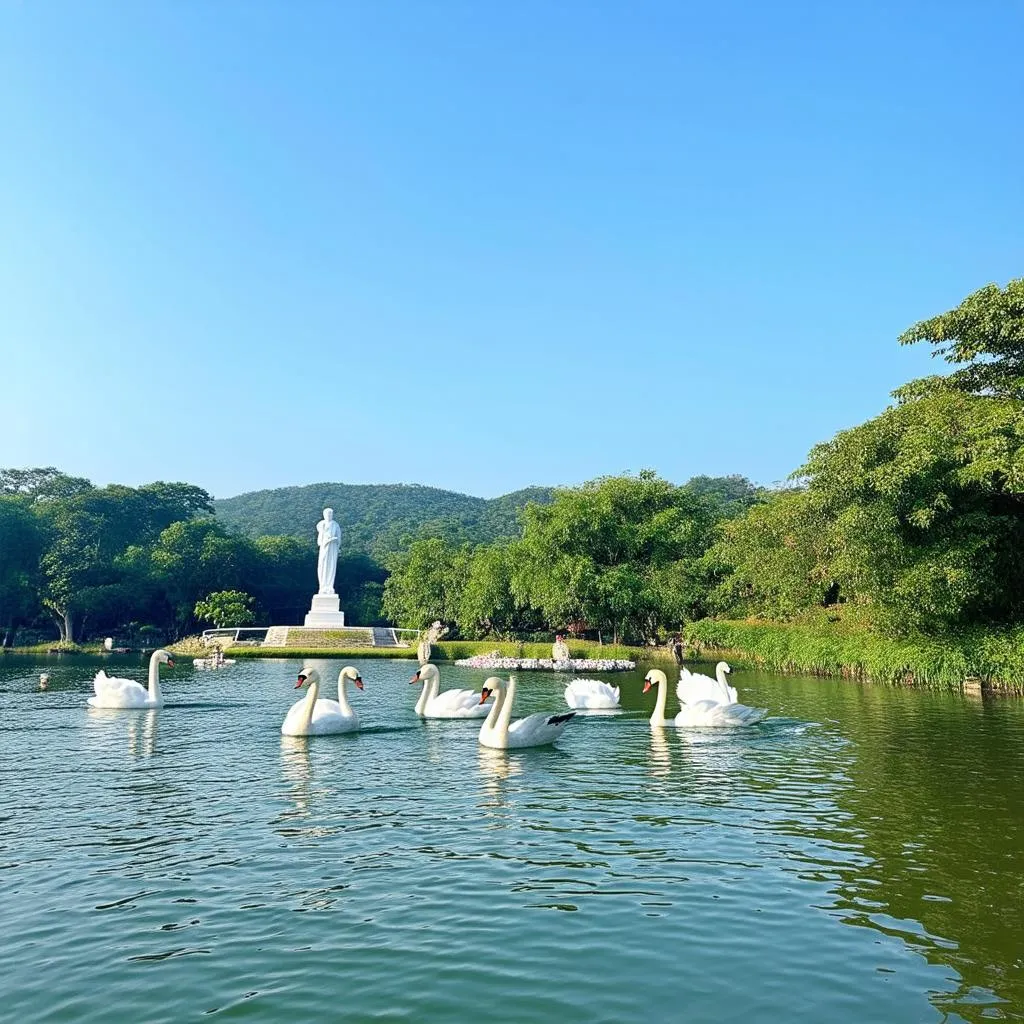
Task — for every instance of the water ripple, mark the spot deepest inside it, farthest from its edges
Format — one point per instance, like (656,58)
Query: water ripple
(858,857)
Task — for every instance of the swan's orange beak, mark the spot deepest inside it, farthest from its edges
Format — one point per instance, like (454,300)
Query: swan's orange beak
(647,685)
(170,663)
(358,681)
(298,685)
(484,694)
(415,678)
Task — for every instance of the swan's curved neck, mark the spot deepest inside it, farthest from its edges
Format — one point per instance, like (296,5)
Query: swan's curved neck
(508,697)
(431,684)
(310,705)
(343,704)
(723,683)
(154,677)
(491,721)
(658,717)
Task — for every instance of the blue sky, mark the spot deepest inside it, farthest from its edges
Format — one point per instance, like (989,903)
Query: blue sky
(482,245)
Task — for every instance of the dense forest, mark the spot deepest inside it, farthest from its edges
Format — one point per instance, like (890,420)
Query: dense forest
(143,563)
(912,521)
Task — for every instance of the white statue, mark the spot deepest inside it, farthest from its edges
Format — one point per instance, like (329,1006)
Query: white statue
(328,538)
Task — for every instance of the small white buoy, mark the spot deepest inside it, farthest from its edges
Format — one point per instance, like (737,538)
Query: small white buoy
(44,678)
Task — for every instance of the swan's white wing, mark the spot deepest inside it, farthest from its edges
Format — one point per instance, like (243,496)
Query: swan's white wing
(711,715)
(329,718)
(694,687)
(457,704)
(537,730)
(744,715)
(453,700)
(114,692)
(591,693)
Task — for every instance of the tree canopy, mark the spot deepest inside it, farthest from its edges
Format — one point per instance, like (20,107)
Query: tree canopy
(984,336)
(918,513)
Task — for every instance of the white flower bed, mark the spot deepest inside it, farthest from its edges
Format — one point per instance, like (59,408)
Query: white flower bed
(528,664)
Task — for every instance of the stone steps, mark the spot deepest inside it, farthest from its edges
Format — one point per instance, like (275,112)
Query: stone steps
(350,636)
(384,636)
(277,636)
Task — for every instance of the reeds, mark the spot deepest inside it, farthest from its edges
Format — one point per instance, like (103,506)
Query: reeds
(995,656)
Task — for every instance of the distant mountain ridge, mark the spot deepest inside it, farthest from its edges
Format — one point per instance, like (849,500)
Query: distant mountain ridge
(376,518)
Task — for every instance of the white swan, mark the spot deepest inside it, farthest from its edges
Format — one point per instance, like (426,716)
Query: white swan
(704,713)
(712,702)
(532,731)
(693,687)
(591,694)
(113,692)
(451,703)
(319,717)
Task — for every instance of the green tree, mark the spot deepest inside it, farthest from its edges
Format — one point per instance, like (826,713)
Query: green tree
(284,578)
(21,544)
(730,496)
(774,560)
(918,514)
(227,608)
(426,583)
(41,482)
(194,557)
(923,508)
(90,532)
(487,605)
(984,335)
(602,553)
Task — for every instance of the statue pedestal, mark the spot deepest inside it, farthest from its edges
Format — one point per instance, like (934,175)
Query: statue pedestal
(324,612)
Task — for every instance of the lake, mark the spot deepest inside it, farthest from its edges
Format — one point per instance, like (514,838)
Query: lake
(859,856)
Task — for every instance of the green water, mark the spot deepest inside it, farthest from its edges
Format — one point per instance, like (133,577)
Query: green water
(857,857)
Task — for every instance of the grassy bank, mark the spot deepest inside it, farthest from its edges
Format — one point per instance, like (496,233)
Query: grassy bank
(58,647)
(825,648)
(454,650)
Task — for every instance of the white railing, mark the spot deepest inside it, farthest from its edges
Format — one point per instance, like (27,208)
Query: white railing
(234,634)
(257,634)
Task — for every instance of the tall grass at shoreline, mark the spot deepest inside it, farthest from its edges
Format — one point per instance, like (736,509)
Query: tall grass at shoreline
(996,657)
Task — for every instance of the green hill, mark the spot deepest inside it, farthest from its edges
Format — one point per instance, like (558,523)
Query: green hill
(376,518)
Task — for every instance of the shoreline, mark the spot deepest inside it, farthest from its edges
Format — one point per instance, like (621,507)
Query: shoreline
(977,662)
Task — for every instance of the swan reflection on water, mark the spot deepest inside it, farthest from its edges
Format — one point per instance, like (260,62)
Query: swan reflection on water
(495,768)
(140,728)
(297,769)
(660,756)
